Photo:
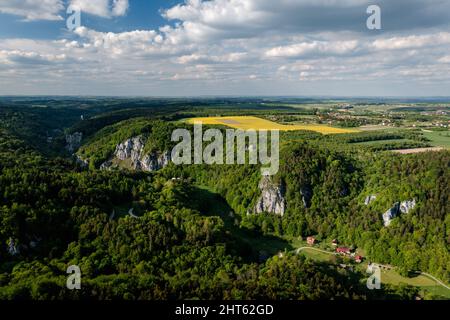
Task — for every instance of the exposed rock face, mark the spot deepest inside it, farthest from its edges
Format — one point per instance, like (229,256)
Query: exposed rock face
(306,196)
(73,141)
(80,161)
(400,207)
(391,214)
(155,162)
(130,149)
(12,248)
(133,150)
(272,197)
(370,199)
(407,206)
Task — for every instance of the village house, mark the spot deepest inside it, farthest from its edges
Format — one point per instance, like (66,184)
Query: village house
(311,240)
(359,259)
(343,250)
(334,243)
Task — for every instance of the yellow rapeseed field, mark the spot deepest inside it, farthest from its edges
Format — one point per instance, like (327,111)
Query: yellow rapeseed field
(248,123)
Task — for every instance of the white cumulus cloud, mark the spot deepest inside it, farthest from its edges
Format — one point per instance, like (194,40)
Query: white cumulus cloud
(33,9)
(102,8)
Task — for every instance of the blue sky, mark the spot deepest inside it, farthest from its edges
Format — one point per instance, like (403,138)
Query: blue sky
(142,14)
(225,47)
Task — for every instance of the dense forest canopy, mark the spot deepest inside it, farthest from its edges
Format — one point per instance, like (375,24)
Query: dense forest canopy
(194,228)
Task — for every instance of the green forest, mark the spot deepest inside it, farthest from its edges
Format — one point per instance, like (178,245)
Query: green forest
(181,243)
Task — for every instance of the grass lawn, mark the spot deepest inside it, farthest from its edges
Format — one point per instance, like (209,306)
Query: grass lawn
(392,277)
(439,138)
(317,255)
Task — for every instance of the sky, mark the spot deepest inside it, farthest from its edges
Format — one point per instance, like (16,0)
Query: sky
(225,47)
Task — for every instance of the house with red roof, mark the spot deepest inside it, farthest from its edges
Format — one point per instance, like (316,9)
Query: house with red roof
(343,250)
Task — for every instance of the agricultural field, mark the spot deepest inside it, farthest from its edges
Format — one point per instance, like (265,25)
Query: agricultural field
(255,123)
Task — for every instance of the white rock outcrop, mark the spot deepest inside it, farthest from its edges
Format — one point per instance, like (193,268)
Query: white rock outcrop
(272,197)
(404,207)
(389,215)
(133,150)
(407,206)
(155,162)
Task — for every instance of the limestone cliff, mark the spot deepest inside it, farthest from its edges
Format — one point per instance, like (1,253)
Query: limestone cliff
(398,208)
(73,141)
(407,206)
(131,152)
(272,197)
(389,215)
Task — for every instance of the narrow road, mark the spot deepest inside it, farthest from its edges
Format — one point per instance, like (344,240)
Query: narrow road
(297,251)
(432,277)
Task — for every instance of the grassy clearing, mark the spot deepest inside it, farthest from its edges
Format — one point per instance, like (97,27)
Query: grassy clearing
(391,277)
(421,281)
(254,123)
(317,255)
(438,138)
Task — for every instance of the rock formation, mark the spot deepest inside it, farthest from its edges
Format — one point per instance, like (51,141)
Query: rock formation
(391,214)
(306,194)
(272,197)
(407,206)
(12,248)
(155,162)
(73,141)
(81,161)
(132,150)
(400,207)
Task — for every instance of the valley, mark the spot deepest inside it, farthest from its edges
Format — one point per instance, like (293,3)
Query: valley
(90,182)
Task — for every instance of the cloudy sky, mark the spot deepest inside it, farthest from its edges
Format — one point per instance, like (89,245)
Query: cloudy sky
(225,47)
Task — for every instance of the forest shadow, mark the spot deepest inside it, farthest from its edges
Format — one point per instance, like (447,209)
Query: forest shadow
(249,244)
